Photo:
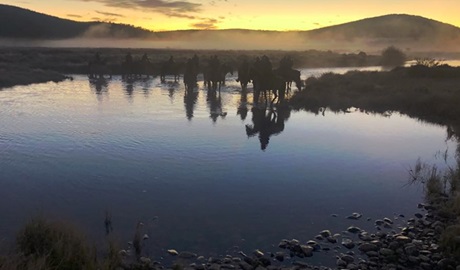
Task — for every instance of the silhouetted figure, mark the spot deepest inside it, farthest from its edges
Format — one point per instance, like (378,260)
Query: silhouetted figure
(128,58)
(145,58)
(97,58)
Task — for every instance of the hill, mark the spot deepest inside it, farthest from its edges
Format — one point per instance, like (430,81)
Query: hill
(26,24)
(412,33)
(398,29)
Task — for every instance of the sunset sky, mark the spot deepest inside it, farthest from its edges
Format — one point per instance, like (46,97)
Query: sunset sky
(161,15)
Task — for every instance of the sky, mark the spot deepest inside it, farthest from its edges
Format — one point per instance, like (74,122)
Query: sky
(163,15)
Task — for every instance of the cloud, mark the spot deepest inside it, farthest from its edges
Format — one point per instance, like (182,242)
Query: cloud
(109,14)
(167,7)
(73,16)
(205,24)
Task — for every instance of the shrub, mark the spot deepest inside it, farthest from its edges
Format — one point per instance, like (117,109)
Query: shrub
(54,245)
(393,57)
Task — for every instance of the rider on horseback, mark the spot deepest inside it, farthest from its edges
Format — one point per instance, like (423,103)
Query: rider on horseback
(145,58)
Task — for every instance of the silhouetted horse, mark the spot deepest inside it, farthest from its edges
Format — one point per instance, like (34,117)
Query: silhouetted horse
(190,74)
(170,68)
(137,69)
(266,82)
(289,76)
(214,77)
(244,75)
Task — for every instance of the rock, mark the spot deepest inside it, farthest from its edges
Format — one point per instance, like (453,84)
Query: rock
(354,229)
(341,263)
(386,252)
(403,239)
(123,253)
(325,233)
(173,252)
(387,220)
(307,250)
(352,266)
(379,222)
(331,239)
(365,247)
(279,256)
(258,253)
(348,243)
(418,215)
(411,250)
(348,258)
(245,266)
(145,260)
(355,216)
(187,255)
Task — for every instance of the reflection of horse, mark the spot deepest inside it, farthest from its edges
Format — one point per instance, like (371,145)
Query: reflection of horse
(215,105)
(98,69)
(190,98)
(170,68)
(242,107)
(100,84)
(267,122)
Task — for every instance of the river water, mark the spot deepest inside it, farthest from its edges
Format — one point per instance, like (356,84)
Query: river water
(192,168)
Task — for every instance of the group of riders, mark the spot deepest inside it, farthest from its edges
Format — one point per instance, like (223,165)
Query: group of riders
(259,72)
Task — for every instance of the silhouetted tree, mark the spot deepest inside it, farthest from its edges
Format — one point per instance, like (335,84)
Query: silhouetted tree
(393,57)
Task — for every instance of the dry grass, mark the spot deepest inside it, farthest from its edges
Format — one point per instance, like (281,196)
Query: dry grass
(47,245)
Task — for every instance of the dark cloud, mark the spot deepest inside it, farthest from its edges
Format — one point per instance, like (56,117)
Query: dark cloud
(160,6)
(109,14)
(74,16)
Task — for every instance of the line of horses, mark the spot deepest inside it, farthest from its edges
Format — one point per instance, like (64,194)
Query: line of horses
(264,79)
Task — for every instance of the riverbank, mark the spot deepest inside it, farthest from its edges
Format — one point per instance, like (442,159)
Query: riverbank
(428,93)
(22,66)
(398,242)
(13,75)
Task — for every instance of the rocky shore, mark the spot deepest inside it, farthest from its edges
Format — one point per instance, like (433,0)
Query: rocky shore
(397,243)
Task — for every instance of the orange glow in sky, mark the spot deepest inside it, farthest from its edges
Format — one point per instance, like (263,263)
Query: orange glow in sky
(161,15)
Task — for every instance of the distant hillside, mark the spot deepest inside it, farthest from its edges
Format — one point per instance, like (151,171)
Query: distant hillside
(26,24)
(411,33)
(398,29)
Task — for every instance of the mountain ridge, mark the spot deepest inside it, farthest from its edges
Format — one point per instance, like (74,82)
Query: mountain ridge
(407,31)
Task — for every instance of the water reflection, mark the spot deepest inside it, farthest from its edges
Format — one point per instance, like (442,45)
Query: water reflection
(190,99)
(99,86)
(214,100)
(267,121)
(242,105)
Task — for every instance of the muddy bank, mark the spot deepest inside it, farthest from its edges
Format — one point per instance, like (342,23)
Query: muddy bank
(13,75)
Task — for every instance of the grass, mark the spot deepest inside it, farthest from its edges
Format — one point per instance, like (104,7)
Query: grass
(430,94)
(44,244)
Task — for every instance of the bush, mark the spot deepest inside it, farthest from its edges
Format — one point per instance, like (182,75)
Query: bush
(54,245)
(393,57)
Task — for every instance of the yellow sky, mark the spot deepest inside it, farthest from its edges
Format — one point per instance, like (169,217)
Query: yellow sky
(160,15)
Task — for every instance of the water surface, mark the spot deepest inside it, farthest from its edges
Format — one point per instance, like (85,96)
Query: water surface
(186,167)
